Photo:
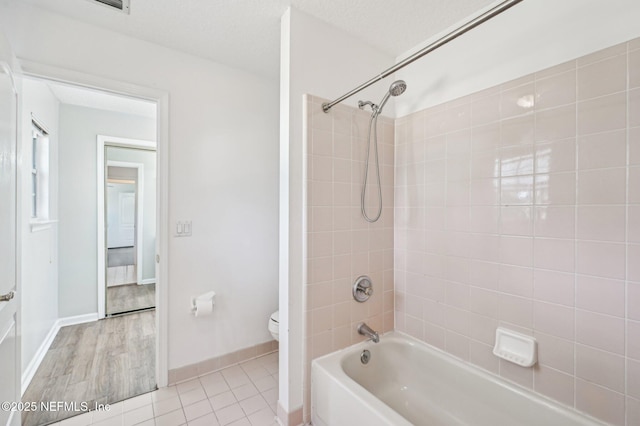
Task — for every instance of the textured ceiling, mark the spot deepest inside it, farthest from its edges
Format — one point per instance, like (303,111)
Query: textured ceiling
(246,33)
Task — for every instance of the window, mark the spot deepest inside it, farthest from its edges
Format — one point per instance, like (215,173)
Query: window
(39,173)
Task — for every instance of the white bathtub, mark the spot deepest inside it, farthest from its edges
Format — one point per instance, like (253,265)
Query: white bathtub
(407,382)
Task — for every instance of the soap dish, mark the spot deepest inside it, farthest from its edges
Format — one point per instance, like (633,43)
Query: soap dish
(515,347)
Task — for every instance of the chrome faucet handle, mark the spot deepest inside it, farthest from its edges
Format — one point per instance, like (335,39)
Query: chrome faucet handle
(362,288)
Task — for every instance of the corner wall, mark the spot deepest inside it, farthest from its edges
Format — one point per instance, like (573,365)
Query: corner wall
(517,206)
(317,59)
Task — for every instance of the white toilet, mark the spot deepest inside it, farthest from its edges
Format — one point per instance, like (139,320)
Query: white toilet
(274,325)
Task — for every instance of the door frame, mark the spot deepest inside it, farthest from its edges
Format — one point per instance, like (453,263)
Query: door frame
(103,143)
(13,307)
(161,98)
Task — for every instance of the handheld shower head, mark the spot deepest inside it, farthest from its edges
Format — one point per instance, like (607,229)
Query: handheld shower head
(397,88)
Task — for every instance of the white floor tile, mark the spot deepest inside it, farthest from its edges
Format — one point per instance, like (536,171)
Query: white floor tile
(265,383)
(81,420)
(138,415)
(166,406)
(271,396)
(264,417)
(188,386)
(164,393)
(251,364)
(214,385)
(208,420)
(272,367)
(117,420)
(258,373)
(137,402)
(174,418)
(114,410)
(235,376)
(198,409)
(242,422)
(229,414)
(253,404)
(245,391)
(192,396)
(222,400)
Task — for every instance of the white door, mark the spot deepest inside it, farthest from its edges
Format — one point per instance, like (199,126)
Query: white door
(9,347)
(127,207)
(121,215)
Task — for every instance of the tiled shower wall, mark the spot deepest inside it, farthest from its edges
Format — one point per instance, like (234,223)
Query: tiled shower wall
(341,245)
(519,206)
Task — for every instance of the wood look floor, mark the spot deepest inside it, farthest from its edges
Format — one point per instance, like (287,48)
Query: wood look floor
(118,275)
(130,297)
(104,361)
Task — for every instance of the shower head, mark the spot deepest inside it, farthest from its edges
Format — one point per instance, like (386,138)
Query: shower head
(397,88)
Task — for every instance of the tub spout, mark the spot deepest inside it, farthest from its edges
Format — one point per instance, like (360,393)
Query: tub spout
(365,330)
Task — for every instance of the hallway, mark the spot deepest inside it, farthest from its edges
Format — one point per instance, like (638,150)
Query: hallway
(103,362)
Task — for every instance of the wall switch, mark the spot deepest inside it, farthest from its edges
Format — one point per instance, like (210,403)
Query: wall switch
(183,228)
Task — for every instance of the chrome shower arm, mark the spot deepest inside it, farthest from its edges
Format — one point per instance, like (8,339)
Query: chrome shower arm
(362,104)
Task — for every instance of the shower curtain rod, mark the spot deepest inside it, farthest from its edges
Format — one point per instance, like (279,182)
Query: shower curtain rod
(427,49)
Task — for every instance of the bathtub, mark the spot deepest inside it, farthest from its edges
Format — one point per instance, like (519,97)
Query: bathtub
(407,382)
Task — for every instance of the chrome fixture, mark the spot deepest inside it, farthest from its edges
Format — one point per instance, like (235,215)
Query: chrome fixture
(397,88)
(362,288)
(365,356)
(7,297)
(498,9)
(365,330)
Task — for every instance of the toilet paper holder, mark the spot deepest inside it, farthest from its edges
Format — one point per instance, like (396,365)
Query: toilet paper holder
(206,297)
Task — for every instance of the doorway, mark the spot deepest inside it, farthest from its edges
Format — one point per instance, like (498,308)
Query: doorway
(79,357)
(130,223)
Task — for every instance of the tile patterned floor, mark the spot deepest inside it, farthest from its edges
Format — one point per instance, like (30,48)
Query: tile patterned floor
(245,394)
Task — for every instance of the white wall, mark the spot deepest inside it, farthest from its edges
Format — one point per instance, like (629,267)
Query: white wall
(78,198)
(531,36)
(223,172)
(39,249)
(148,159)
(318,59)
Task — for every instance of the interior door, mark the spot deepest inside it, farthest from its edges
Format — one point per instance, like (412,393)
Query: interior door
(121,215)
(9,347)
(127,207)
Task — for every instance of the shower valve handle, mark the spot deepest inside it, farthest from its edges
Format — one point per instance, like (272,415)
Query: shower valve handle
(362,288)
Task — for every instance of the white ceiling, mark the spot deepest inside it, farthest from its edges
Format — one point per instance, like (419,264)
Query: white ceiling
(73,95)
(246,33)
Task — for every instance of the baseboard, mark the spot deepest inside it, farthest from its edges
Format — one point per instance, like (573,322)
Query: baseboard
(293,418)
(192,371)
(147,281)
(77,319)
(31,369)
(35,362)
